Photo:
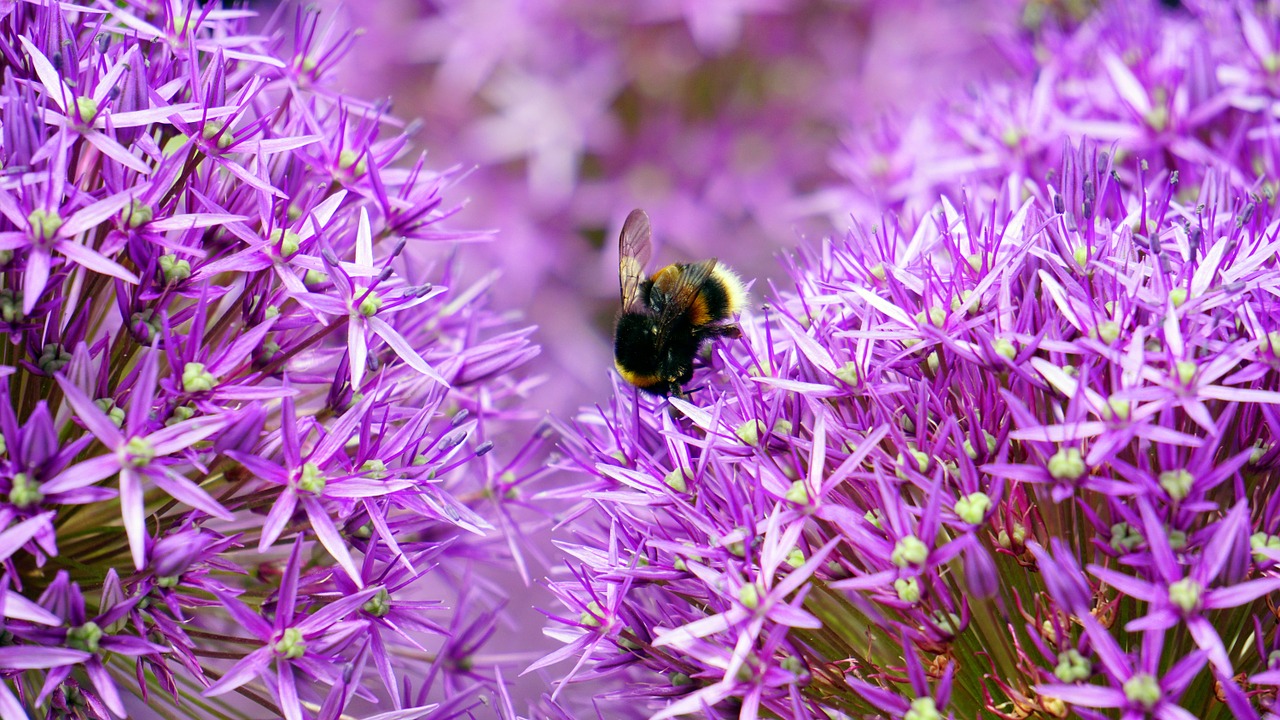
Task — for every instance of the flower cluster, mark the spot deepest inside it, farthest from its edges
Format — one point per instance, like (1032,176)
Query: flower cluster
(715,116)
(244,429)
(1010,452)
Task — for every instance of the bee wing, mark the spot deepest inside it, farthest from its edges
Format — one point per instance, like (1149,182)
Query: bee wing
(633,256)
(680,297)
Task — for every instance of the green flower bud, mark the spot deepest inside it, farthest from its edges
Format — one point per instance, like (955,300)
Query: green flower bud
(1177,483)
(591,616)
(1124,538)
(1186,371)
(1116,409)
(908,589)
(676,480)
(1158,118)
(174,269)
(139,452)
(149,321)
(136,214)
(875,517)
(1257,542)
(799,493)
(1073,667)
(1260,449)
(947,622)
(214,128)
(795,558)
(349,160)
(24,492)
(973,507)
(749,432)
(312,480)
(1107,331)
(374,469)
(196,379)
(85,637)
(291,645)
(285,241)
(923,709)
(44,223)
(1005,349)
(180,414)
(1143,689)
(1067,464)
(909,551)
(378,605)
(1081,255)
(1178,296)
(848,373)
(86,110)
(749,596)
(1186,594)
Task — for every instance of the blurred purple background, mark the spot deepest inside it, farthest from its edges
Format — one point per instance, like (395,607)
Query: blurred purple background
(721,118)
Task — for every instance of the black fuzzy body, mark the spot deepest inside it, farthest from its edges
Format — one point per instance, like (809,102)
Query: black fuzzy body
(658,359)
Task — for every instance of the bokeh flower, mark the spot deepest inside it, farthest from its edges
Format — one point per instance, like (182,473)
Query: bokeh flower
(247,443)
(715,116)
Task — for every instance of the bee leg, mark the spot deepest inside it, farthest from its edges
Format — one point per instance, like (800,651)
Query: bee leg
(733,332)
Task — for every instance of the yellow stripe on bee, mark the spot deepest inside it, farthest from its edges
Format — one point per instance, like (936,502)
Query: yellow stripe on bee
(637,379)
(699,314)
(666,279)
(735,289)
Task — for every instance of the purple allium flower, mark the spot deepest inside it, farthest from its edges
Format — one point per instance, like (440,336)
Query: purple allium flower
(1015,437)
(245,436)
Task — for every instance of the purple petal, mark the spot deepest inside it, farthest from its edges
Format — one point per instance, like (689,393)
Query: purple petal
(404,350)
(1094,696)
(183,435)
(246,618)
(333,612)
(249,667)
(132,507)
(117,152)
(33,657)
(79,476)
(328,535)
(288,690)
(181,489)
(93,215)
(1127,584)
(105,687)
(15,537)
(92,417)
(142,398)
(277,518)
(1240,593)
(91,260)
(48,74)
(36,278)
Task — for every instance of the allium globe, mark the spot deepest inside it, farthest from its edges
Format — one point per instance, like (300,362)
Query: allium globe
(241,432)
(1007,449)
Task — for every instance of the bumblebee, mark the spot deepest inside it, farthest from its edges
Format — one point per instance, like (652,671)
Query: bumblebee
(666,317)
